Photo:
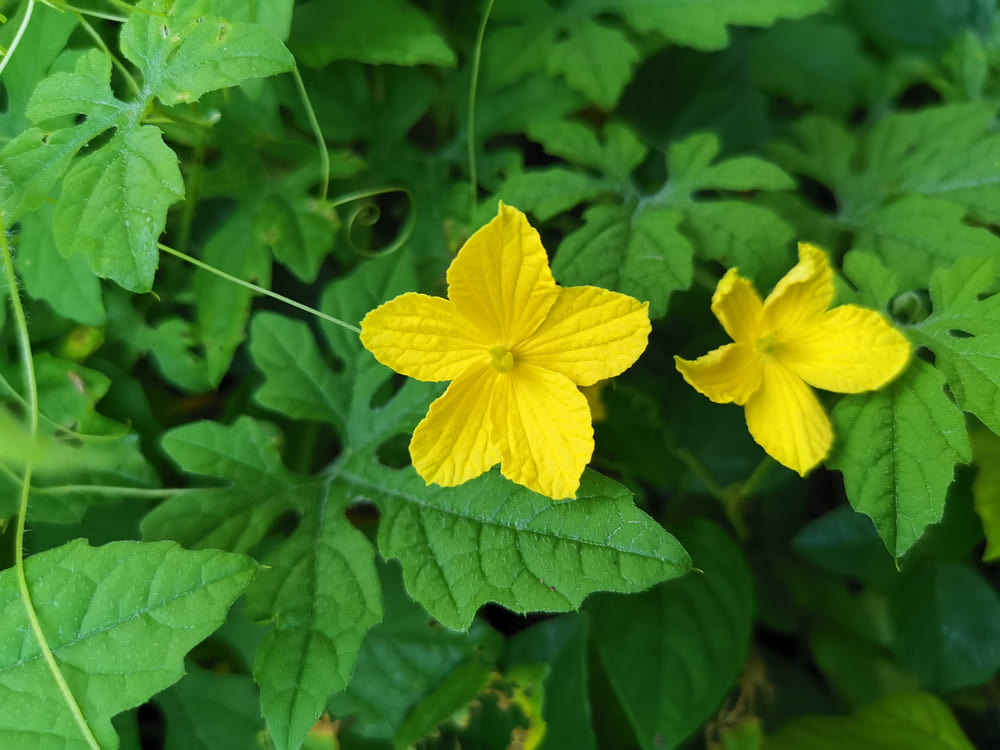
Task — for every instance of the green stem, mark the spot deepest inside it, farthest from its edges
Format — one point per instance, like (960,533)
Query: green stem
(258,289)
(17,38)
(78,12)
(22,580)
(324,155)
(91,12)
(477,52)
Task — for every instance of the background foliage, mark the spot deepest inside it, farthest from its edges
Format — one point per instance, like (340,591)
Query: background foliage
(200,443)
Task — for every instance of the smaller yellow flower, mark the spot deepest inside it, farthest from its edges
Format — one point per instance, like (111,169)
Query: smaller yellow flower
(515,345)
(784,345)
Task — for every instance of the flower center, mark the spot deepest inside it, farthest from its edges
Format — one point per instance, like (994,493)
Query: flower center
(501,359)
(766,342)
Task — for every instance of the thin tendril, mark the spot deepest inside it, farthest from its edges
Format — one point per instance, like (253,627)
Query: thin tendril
(22,580)
(17,38)
(324,155)
(477,52)
(133,84)
(355,215)
(258,289)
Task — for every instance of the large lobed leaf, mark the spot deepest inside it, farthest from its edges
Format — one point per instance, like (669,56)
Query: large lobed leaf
(119,620)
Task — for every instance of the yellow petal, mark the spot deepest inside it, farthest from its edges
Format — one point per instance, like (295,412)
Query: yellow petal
(590,334)
(422,337)
(804,292)
(501,281)
(848,350)
(787,420)
(452,444)
(727,375)
(738,307)
(541,423)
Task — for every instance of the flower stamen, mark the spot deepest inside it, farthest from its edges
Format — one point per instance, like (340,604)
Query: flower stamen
(501,359)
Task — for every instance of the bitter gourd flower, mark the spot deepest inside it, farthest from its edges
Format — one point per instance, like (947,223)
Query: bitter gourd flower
(785,344)
(515,346)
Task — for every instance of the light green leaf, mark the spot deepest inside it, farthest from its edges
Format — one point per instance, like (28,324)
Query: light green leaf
(639,253)
(897,449)
(703,25)
(493,541)
(915,235)
(897,722)
(693,632)
(210,711)
(547,192)
(964,333)
(946,625)
(402,660)
(184,51)
(298,228)
(986,488)
(618,154)
(114,203)
(597,61)
(119,619)
(379,31)
(67,284)
(322,592)
(744,235)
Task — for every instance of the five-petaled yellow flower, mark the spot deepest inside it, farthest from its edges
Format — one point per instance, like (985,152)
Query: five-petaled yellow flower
(515,346)
(787,343)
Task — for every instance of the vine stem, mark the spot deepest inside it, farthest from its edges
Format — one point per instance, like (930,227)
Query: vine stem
(477,53)
(17,38)
(324,155)
(256,288)
(22,580)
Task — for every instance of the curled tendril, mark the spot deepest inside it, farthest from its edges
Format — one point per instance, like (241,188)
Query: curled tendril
(367,213)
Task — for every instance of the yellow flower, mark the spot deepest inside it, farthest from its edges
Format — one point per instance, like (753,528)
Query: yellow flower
(786,342)
(515,346)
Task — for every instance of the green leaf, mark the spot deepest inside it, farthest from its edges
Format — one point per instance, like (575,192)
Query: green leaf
(901,722)
(379,31)
(492,541)
(547,192)
(210,711)
(561,644)
(184,52)
(298,228)
(402,660)
(597,61)
(640,253)
(817,61)
(67,284)
(986,488)
(846,543)
(897,449)
(690,166)
(744,235)
(674,652)
(703,25)
(946,624)
(616,155)
(915,26)
(322,591)
(964,333)
(114,205)
(916,235)
(119,619)
(222,308)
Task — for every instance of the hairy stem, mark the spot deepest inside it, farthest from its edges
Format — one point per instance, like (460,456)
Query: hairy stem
(22,512)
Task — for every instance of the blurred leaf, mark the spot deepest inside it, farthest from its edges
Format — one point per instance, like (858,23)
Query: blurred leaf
(986,488)
(674,652)
(151,602)
(691,168)
(901,722)
(597,61)
(920,25)
(377,31)
(615,155)
(638,252)
(209,711)
(547,192)
(845,542)
(946,619)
